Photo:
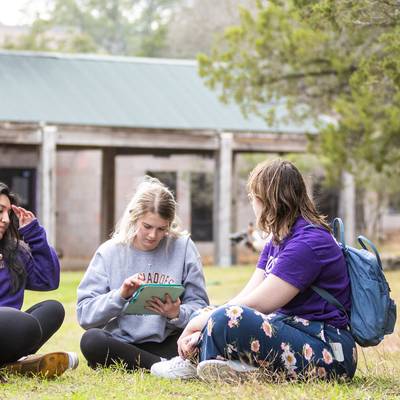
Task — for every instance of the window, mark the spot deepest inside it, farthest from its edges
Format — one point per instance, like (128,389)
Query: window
(167,178)
(23,182)
(201,199)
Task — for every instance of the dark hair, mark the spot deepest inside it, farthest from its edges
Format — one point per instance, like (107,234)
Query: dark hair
(281,189)
(11,245)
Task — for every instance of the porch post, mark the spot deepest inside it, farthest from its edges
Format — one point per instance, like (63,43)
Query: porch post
(223,201)
(347,207)
(47,181)
(107,204)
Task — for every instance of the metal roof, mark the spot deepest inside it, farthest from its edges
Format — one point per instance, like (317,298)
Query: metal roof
(116,92)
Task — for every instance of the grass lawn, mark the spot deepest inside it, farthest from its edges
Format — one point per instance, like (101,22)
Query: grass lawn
(378,376)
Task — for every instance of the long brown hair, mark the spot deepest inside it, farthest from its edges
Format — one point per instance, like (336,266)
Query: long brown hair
(11,245)
(280,187)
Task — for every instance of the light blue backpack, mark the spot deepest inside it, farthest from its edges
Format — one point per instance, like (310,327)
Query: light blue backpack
(373,312)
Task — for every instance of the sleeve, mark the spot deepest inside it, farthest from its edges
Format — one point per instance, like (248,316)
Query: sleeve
(297,264)
(195,296)
(41,262)
(97,304)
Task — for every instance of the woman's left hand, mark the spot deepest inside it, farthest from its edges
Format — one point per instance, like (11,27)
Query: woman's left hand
(25,217)
(187,346)
(166,308)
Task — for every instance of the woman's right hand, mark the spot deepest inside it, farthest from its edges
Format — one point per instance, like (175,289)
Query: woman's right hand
(130,285)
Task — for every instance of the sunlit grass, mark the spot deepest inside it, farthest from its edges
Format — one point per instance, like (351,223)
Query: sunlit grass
(377,376)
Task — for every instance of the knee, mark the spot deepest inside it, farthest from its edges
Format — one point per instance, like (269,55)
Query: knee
(232,313)
(230,316)
(219,320)
(56,311)
(20,326)
(94,346)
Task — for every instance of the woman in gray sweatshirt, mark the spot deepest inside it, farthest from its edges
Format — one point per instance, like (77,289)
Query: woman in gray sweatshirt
(147,246)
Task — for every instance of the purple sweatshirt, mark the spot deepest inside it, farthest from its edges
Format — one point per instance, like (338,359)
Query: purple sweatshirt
(310,256)
(42,267)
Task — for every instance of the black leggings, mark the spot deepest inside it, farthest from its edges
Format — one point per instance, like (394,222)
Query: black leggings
(23,333)
(100,348)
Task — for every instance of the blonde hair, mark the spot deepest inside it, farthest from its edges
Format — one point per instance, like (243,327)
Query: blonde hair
(150,196)
(282,192)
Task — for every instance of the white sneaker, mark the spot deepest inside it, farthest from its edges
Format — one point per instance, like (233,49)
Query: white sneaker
(175,368)
(228,371)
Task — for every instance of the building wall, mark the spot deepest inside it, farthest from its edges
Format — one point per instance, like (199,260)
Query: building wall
(78,194)
(78,205)
(78,209)
(18,157)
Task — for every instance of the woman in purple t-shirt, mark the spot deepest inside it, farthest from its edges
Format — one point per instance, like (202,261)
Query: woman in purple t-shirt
(277,322)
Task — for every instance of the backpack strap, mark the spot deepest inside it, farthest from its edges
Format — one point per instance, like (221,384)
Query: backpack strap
(364,242)
(330,299)
(338,231)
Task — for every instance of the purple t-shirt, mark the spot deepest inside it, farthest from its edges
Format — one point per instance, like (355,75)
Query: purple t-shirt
(310,255)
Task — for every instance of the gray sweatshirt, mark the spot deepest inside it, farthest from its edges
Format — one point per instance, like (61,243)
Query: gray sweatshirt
(100,304)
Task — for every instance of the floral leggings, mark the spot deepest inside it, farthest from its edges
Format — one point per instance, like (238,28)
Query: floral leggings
(279,343)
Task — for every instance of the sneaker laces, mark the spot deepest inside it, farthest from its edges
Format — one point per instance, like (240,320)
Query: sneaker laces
(178,362)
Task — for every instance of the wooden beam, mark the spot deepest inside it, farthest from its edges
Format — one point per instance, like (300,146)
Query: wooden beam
(23,137)
(47,181)
(223,201)
(270,142)
(124,139)
(107,205)
(138,140)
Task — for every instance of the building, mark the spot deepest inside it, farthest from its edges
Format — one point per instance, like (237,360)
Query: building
(78,131)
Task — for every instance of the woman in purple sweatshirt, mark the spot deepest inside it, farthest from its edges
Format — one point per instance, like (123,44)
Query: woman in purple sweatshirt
(27,261)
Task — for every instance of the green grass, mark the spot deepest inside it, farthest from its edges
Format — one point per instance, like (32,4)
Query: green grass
(376,378)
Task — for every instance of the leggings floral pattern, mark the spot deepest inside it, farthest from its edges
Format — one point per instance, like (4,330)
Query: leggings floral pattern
(280,343)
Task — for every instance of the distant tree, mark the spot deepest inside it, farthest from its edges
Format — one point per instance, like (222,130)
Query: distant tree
(118,27)
(195,24)
(334,58)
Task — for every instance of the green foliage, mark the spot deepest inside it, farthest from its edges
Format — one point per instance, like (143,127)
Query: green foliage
(335,59)
(119,27)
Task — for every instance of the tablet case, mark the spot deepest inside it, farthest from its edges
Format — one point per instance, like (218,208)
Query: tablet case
(146,291)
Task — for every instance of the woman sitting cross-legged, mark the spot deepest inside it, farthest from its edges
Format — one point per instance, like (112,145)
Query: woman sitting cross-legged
(277,322)
(147,246)
(27,261)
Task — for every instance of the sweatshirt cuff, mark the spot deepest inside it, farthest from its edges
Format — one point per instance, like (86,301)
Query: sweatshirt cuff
(27,229)
(178,322)
(117,299)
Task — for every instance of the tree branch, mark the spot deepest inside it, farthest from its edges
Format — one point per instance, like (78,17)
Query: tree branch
(302,75)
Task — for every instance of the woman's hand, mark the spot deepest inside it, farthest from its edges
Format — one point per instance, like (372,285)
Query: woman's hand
(187,346)
(192,333)
(166,308)
(25,217)
(130,285)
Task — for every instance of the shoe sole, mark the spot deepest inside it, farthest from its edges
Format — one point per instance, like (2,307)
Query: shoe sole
(46,365)
(220,371)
